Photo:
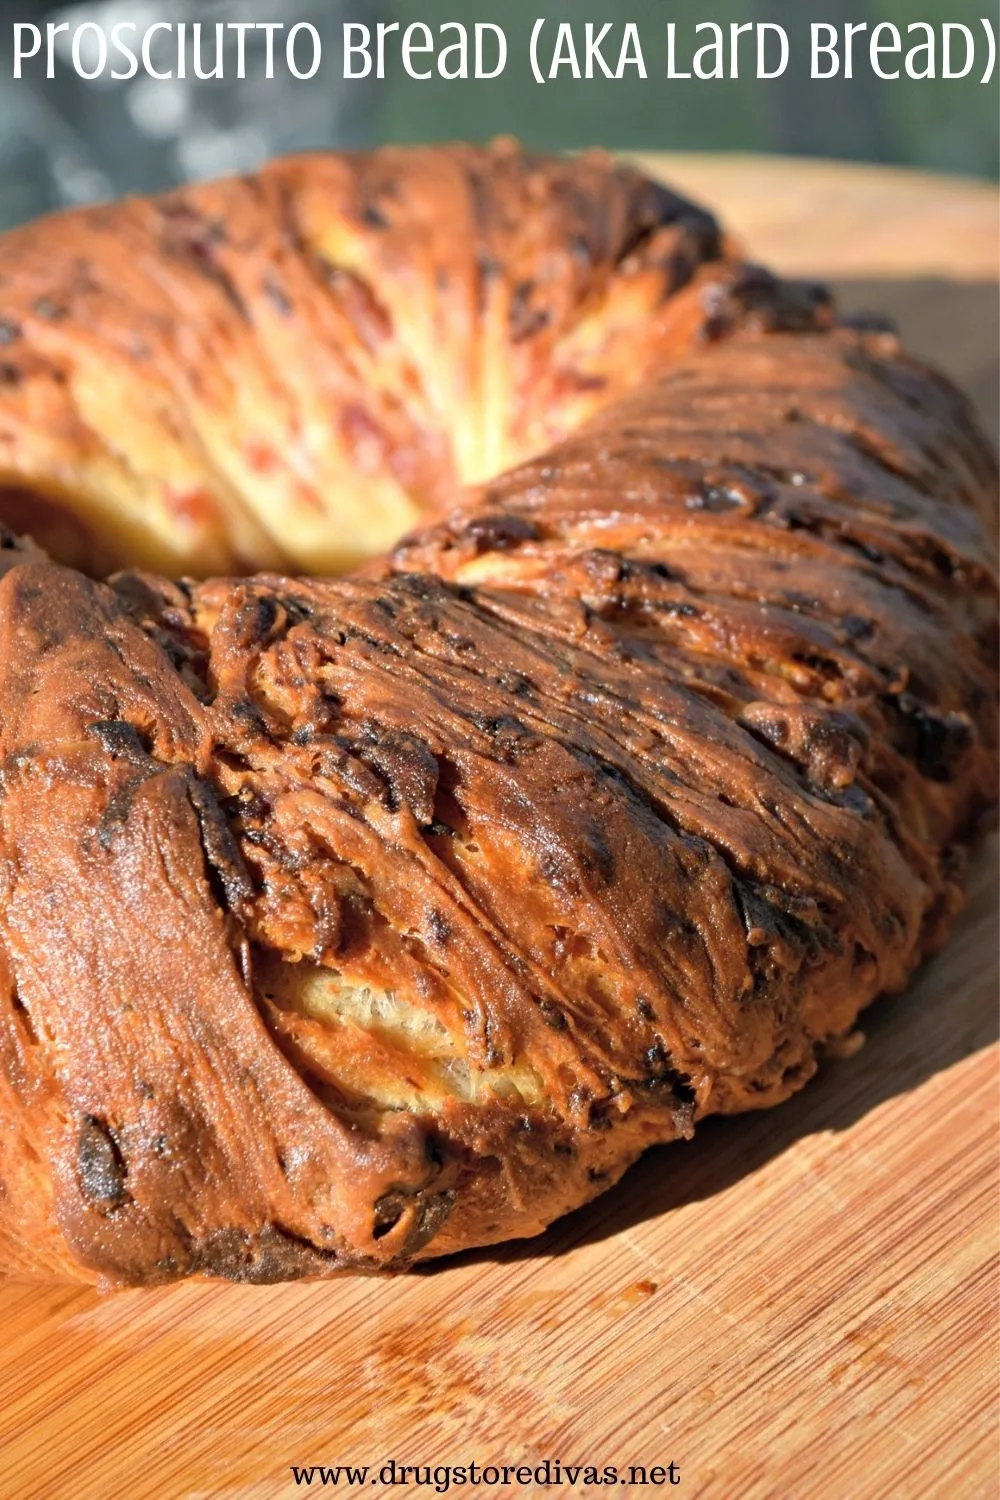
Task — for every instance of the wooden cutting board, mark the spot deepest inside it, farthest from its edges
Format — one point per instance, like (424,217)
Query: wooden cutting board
(797,1304)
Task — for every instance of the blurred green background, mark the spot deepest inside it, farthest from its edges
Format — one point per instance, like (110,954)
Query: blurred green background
(68,141)
(947,126)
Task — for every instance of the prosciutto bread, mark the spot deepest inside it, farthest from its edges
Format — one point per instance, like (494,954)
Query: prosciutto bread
(347,921)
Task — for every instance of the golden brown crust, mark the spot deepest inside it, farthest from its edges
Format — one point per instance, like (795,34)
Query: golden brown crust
(346,922)
(289,369)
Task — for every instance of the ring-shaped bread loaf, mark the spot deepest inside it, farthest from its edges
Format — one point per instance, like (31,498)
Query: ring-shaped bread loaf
(346,921)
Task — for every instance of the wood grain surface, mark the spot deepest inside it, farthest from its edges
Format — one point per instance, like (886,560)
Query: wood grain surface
(800,1303)
(830,218)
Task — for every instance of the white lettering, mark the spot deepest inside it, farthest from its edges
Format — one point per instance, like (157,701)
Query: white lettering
(711,50)
(820,48)
(948,30)
(147,61)
(241,28)
(124,49)
(925,48)
(199,71)
(20,55)
(482,27)
(672,70)
(762,30)
(564,52)
(594,53)
(631,54)
(411,44)
(87,29)
(894,46)
(317,50)
(461,47)
(352,48)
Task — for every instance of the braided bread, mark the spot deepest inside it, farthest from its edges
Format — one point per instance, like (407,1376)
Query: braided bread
(348,921)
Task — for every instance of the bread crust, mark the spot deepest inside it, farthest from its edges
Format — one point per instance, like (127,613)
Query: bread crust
(346,922)
(289,369)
